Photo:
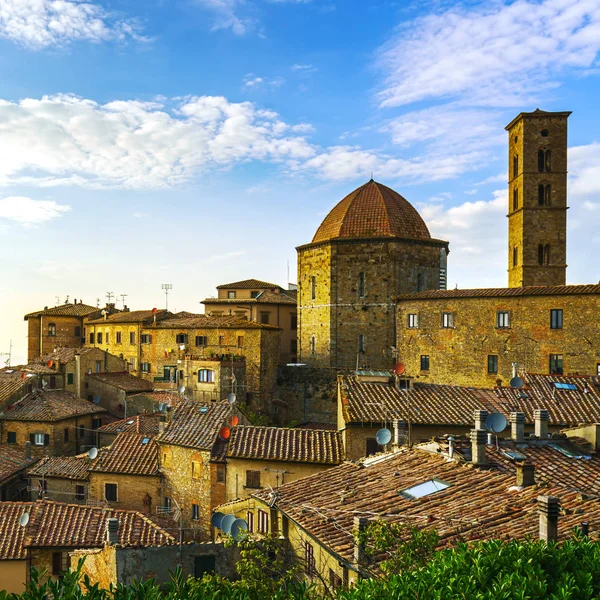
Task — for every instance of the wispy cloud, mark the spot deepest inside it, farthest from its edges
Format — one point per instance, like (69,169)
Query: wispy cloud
(30,213)
(41,23)
(304,70)
(252,81)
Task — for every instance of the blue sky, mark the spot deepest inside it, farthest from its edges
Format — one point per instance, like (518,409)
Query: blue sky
(197,142)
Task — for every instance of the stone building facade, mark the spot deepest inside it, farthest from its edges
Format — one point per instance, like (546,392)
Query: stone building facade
(371,247)
(537,198)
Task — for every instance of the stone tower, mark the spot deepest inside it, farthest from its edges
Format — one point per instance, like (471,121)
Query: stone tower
(371,247)
(537,198)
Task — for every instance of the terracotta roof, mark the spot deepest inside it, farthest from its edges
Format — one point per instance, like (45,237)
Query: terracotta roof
(11,532)
(10,383)
(65,355)
(12,461)
(49,405)
(123,381)
(432,404)
(133,453)
(132,316)
(267,297)
(212,322)
(248,284)
(478,504)
(144,423)
(65,467)
(372,211)
(185,313)
(317,425)
(65,310)
(540,290)
(195,424)
(170,398)
(286,444)
(31,368)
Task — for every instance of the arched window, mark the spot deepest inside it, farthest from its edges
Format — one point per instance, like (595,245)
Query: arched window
(515,256)
(541,194)
(548,195)
(548,160)
(547,254)
(540,254)
(515,165)
(420,283)
(313,344)
(540,161)
(515,199)
(51,328)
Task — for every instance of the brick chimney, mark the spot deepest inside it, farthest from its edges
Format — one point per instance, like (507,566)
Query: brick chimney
(541,418)
(28,450)
(525,474)
(548,507)
(112,531)
(360,524)
(478,441)
(480,416)
(517,427)
(162,422)
(399,429)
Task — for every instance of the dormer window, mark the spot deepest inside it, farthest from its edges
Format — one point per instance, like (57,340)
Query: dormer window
(231,295)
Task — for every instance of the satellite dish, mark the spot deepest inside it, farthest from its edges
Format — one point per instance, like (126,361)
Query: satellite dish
(517,382)
(226,523)
(93,453)
(398,368)
(103,312)
(50,363)
(224,433)
(495,422)
(383,436)
(154,311)
(237,528)
(231,398)
(233,421)
(216,518)
(96,399)
(181,389)
(24,520)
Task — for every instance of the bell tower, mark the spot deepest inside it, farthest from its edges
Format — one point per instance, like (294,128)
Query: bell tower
(537,199)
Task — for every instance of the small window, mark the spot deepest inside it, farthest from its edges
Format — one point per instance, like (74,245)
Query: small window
(79,492)
(145,338)
(335,581)
(541,161)
(39,439)
(447,320)
(231,295)
(541,194)
(52,329)
(132,337)
(313,287)
(201,340)
(547,254)
(107,337)
(96,423)
(556,364)
(544,133)
(70,378)
(132,364)
(540,254)
(548,161)
(515,199)
(206,376)
(92,338)
(253,479)
(515,165)
(181,338)
(313,345)
(119,337)
(77,332)
(263,522)
(254,294)
(99,337)
(413,321)
(515,256)
(60,563)
(11,437)
(265,317)
(361,285)
(66,434)
(492,366)
(309,559)
(556,318)
(250,520)
(221,473)
(98,366)
(548,195)
(362,343)
(146,367)
(424,362)
(111,492)
(195,512)
(424,489)
(196,469)
(294,322)
(168,503)
(240,341)
(221,340)
(503,319)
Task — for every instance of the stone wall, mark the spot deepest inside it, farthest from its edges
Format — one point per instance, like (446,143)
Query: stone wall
(131,490)
(59,489)
(38,345)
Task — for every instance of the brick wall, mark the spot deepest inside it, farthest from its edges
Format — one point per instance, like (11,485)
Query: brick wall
(132,490)
(65,334)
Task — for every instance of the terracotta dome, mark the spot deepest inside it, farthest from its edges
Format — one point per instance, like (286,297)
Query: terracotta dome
(372,211)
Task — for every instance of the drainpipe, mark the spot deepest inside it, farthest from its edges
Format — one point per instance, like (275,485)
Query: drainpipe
(78,375)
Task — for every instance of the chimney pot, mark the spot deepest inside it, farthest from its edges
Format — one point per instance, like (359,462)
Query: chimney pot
(525,474)
(28,450)
(480,416)
(517,427)
(478,441)
(541,417)
(112,531)
(585,528)
(548,507)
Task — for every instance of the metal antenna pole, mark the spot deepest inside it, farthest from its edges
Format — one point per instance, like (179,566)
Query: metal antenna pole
(9,353)
(166,287)
(123,296)
(109,296)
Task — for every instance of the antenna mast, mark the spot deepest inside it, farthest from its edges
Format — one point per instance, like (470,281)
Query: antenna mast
(166,287)
(109,296)
(9,353)
(123,296)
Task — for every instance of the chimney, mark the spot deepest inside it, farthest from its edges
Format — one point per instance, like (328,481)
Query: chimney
(360,524)
(478,440)
(548,508)
(399,428)
(28,450)
(480,416)
(112,531)
(161,423)
(541,417)
(517,427)
(515,369)
(525,474)
(451,447)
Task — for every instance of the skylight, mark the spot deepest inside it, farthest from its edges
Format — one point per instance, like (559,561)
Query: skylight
(145,440)
(424,489)
(513,454)
(565,386)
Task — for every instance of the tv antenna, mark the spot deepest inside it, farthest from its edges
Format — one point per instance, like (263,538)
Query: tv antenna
(166,287)
(97,302)
(123,296)
(57,300)
(66,299)
(109,296)
(9,353)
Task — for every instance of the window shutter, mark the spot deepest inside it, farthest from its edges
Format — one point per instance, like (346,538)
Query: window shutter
(46,439)
(32,438)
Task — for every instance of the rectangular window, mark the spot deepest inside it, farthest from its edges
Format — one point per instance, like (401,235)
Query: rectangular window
(132,364)
(335,581)
(264,317)
(503,319)
(231,295)
(66,434)
(263,522)
(362,343)
(221,473)
(556,364)
(492,366)
(145,338)
(447,320)
(70,378)
(556,318)
(96,422)
(132,337)
(99,337)
(372,446)
(598,370)
(240,341)
(145,367)
(361,285)
(110,492)
(11,437)
(206,376)
(79,492)
(168,503)
(39,439)
(181,338)
(313,287)
(254,294)
(119,336)
(195,512)
(196,469)
(412,321)
(424,362)
(221,340)
(250,520)
(294,322)
(107,338)
(91,338)
(309,559)
(98,366)
(201,340)
(253,479)
(294,346)
(60,563)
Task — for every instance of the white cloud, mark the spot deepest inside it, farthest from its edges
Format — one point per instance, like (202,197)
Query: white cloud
(584,169)
(304,69)
(252,81)
(41,23)
(494,55)
(227,15)
(29,212)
